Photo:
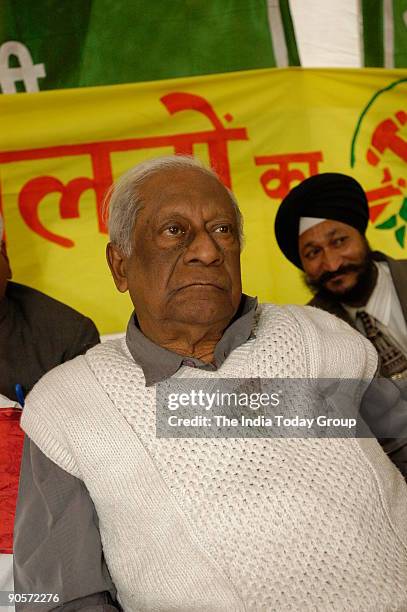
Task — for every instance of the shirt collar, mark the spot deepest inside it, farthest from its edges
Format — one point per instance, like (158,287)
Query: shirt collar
(159,363)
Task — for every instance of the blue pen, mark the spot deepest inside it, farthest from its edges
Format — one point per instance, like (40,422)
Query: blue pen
(20,394)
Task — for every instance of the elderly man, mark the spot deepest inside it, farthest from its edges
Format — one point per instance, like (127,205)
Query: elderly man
(208,523)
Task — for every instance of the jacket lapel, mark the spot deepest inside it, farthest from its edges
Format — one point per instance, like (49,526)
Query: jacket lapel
(398,271)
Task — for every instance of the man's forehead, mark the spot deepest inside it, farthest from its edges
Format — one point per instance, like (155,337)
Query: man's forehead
(190,183)
(324,230)
(179,176)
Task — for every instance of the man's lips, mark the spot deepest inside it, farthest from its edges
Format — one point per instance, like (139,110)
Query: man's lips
(337,276)
(201,284)
(343,271)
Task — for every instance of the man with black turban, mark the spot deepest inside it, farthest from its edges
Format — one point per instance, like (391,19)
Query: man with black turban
(320,227)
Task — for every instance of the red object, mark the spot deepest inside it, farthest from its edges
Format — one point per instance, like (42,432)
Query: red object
(11,448)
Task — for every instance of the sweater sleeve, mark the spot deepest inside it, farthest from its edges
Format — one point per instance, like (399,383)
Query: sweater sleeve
(57,546)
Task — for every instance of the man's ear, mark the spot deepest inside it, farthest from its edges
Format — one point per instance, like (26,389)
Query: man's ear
(3,252)
(118,266)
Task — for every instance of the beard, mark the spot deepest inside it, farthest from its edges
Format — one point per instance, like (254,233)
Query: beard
(357,295)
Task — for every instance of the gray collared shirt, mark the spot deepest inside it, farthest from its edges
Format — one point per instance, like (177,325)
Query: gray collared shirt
(57,547)
(159,363)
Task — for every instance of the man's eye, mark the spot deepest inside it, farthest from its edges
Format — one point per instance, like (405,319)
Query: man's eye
(339,241)
(174,230)
(311,253)
(223,229)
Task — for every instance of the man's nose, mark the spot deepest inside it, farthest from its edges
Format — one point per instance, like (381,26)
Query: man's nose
(331,261)
(203,250)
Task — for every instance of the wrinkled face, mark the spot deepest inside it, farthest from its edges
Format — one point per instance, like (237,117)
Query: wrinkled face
(185,263)
(5,272)
(334,256)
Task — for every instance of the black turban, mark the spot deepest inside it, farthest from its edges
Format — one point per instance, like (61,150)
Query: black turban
(329,196)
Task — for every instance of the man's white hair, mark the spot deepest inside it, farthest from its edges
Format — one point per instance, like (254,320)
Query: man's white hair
(126,198)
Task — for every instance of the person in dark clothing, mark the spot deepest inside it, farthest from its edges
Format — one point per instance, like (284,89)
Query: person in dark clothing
(37,332)
(320,227)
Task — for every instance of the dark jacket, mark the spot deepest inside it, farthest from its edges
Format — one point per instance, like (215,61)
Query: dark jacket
(395,448)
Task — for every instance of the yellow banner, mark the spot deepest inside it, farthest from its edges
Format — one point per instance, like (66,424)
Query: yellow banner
(263,132)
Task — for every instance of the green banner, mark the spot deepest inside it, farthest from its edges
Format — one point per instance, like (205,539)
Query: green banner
(55,44)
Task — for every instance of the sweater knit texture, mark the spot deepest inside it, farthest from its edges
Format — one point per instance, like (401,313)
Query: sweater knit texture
(231,524)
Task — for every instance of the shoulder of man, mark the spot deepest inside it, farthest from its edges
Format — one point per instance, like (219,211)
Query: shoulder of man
(319,317)
(391,261)
(28,299)
(74,378)
(333,347)
(59,401)
(73,332)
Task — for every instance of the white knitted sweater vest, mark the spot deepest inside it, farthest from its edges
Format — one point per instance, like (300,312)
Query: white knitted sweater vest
(231,524)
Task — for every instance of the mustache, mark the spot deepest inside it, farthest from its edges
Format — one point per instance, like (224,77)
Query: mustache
(327,276)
